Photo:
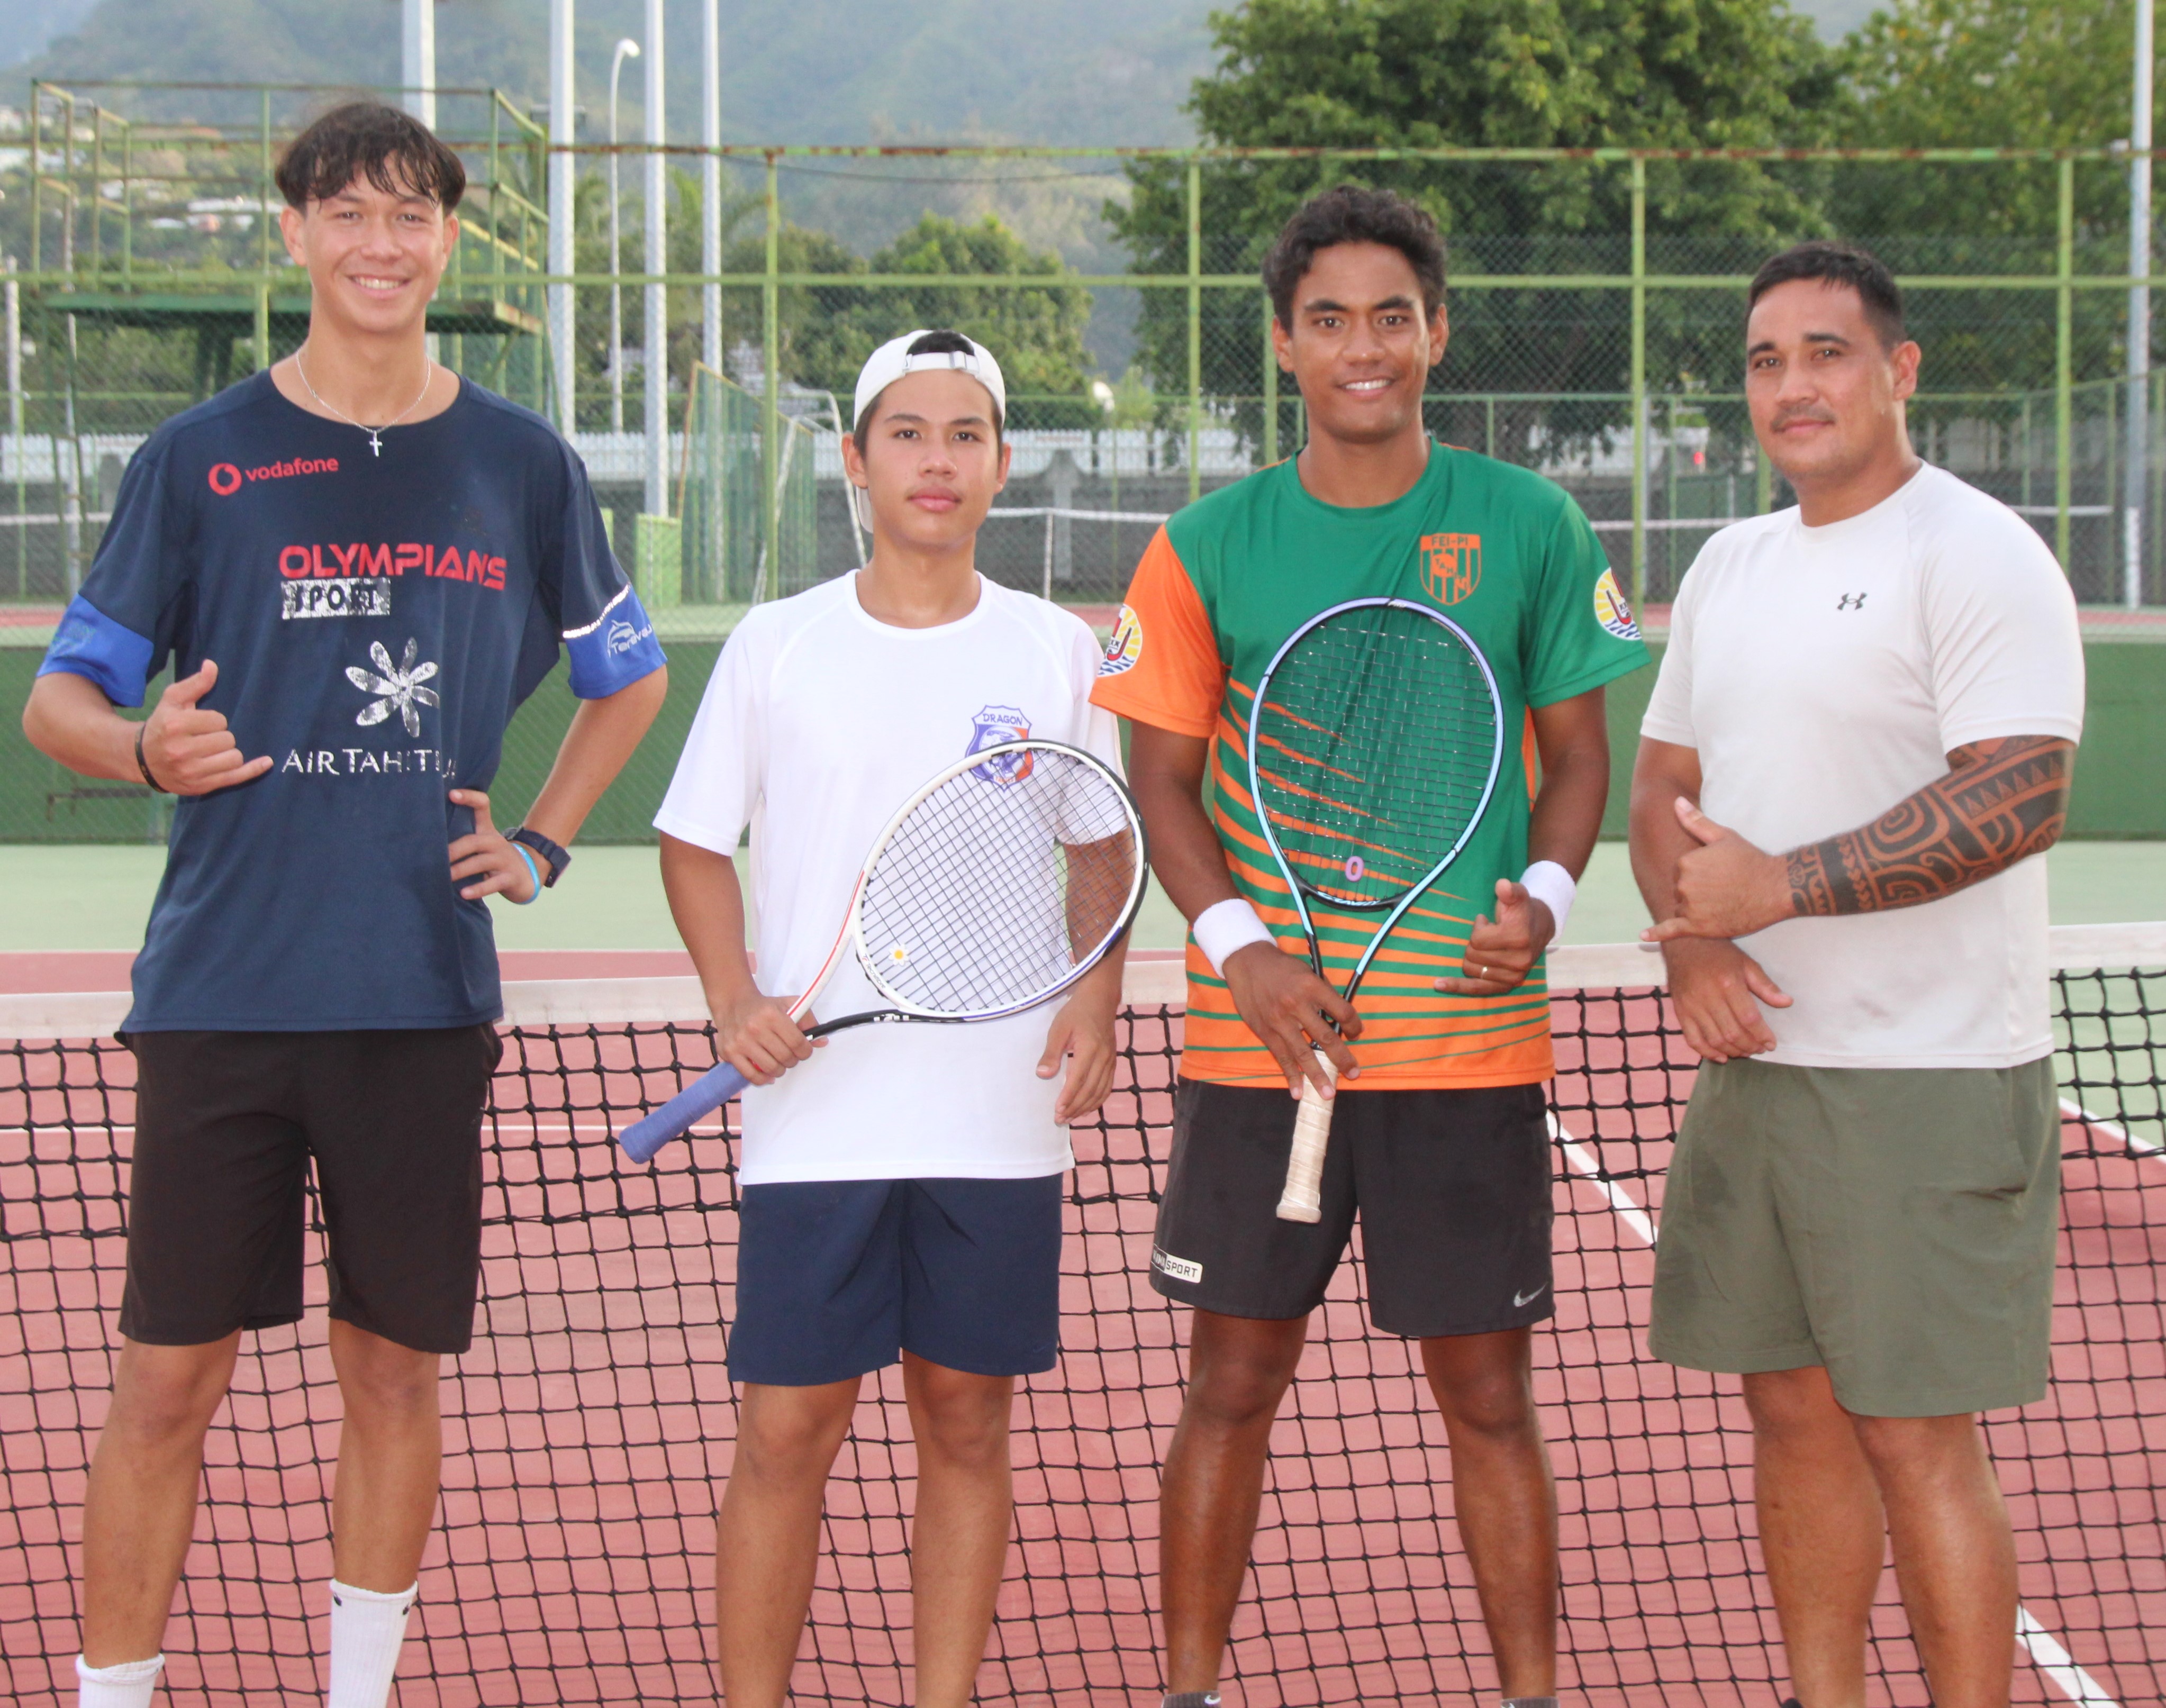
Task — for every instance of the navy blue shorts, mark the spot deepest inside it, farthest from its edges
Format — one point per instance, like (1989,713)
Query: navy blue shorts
(837,1278)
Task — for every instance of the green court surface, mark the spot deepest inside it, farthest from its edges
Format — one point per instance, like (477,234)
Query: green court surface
(99,896)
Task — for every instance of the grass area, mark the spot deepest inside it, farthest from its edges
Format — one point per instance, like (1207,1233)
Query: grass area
(98,898)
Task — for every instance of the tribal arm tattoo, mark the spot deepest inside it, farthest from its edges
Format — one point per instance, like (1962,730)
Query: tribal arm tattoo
(2002,801)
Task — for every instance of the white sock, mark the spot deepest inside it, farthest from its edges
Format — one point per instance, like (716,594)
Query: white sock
(128,1686)
(368,1627)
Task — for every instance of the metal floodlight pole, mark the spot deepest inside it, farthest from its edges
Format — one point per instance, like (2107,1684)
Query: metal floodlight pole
(2136,479)
(710,184)
(655,386)
(563,344)
(627,49)
(417,58)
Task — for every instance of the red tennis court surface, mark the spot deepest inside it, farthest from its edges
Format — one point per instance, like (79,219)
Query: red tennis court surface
(590,1429)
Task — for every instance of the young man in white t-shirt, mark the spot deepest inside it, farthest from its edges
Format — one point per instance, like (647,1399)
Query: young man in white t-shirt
(1861,740)
(902,1192)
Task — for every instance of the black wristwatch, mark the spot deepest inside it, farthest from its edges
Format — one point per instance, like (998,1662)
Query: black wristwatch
(557,857)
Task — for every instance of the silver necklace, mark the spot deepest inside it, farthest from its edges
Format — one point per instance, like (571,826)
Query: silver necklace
(375,434)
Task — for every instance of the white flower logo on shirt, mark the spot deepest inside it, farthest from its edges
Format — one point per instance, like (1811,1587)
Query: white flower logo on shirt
(398,686)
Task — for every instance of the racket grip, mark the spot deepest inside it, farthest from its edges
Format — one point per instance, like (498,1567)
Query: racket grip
(1303,1200)
(701,1098)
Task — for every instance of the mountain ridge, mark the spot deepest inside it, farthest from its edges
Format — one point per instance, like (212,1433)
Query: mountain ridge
(1080,72)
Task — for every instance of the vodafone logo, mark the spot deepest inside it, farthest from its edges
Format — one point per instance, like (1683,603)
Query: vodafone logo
(225,479)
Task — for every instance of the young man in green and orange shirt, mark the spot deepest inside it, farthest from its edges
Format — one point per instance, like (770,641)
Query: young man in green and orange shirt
(1439,1139)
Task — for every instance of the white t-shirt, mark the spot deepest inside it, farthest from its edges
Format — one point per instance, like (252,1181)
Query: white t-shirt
(818,722)
(1824,674)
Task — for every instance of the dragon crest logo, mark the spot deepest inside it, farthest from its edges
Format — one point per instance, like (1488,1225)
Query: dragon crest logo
(996,726)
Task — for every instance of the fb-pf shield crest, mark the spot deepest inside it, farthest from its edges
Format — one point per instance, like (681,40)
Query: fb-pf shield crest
(1452,565)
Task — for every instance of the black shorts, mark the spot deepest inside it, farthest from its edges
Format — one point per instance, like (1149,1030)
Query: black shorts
(226,1125)
(1453,1187)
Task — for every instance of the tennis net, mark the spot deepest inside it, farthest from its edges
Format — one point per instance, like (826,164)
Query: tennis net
(590,1429)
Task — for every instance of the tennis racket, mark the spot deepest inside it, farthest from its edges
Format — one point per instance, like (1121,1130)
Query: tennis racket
(1374,745)
(1001,881)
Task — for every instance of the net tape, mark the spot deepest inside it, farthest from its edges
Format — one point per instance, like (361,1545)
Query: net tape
(589,1430)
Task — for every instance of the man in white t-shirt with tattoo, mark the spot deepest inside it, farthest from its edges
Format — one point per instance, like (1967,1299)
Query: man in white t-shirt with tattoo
(1861,740)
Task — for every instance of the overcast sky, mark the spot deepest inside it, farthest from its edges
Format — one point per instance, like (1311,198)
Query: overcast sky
(1838,17)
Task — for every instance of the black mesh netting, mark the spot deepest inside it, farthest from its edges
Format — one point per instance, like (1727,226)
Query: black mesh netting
(590,1428)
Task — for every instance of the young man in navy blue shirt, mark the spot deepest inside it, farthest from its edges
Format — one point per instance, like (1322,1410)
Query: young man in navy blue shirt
(358,565)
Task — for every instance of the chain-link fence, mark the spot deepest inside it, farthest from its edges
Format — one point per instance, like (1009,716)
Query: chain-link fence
(1596,306)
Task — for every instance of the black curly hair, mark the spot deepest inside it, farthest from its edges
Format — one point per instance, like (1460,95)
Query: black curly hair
(1354,213)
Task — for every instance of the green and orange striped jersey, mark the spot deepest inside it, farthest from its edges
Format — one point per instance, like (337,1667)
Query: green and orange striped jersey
(1511,558)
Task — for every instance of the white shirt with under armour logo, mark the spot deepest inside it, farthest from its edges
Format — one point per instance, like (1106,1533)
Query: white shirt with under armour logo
(1824,674)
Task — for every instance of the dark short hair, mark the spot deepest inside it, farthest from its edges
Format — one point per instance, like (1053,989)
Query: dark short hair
(392,150)
(1843,266)
(1354,213)
(942,342)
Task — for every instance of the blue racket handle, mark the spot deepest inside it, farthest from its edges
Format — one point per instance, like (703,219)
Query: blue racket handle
(701,1098)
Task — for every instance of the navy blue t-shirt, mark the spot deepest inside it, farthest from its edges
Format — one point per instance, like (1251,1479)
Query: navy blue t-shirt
(375,620)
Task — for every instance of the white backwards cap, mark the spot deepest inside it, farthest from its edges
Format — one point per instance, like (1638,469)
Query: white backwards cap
(893,360)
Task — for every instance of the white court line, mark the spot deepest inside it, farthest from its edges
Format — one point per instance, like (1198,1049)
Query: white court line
(2047,1654)
(2140,1148)
(1628,1212)
(2060,1666)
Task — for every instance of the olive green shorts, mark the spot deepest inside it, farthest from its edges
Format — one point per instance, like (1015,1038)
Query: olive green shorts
(1896,1225)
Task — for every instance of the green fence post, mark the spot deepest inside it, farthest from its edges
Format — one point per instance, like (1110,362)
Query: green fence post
(37,178)
(495,201)
(1270,390)
(96,193)
(263,324)
(2064,423)
(263,197)
(1639,381)
(2029,452)
(127,205)
(2115,501)
(770,417)
(1195,327)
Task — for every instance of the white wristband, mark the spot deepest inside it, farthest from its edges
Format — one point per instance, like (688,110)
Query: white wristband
(1549,882)
(1226,926)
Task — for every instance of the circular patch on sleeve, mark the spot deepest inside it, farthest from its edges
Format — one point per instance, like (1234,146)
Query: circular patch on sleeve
(1126,646)
(1612,609)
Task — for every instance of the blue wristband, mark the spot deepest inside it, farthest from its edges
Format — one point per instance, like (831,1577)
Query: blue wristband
(532,871)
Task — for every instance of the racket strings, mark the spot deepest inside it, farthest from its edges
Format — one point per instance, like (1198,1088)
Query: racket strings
(1000,883)
(1376,745)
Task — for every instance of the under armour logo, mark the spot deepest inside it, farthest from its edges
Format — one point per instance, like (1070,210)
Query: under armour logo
(1850,602)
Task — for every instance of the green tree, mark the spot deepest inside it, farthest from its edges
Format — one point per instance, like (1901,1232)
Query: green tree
(2025,73)
(1500,73)
(1036,331)
(828,330)
(806,313)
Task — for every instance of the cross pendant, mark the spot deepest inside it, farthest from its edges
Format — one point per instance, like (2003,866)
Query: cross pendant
(375,444)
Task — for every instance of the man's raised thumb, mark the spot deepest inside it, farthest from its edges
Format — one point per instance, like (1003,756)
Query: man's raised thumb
(188,690)
(1694,820)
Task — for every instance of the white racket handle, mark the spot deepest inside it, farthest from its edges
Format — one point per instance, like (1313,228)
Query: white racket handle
(1303,1200)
